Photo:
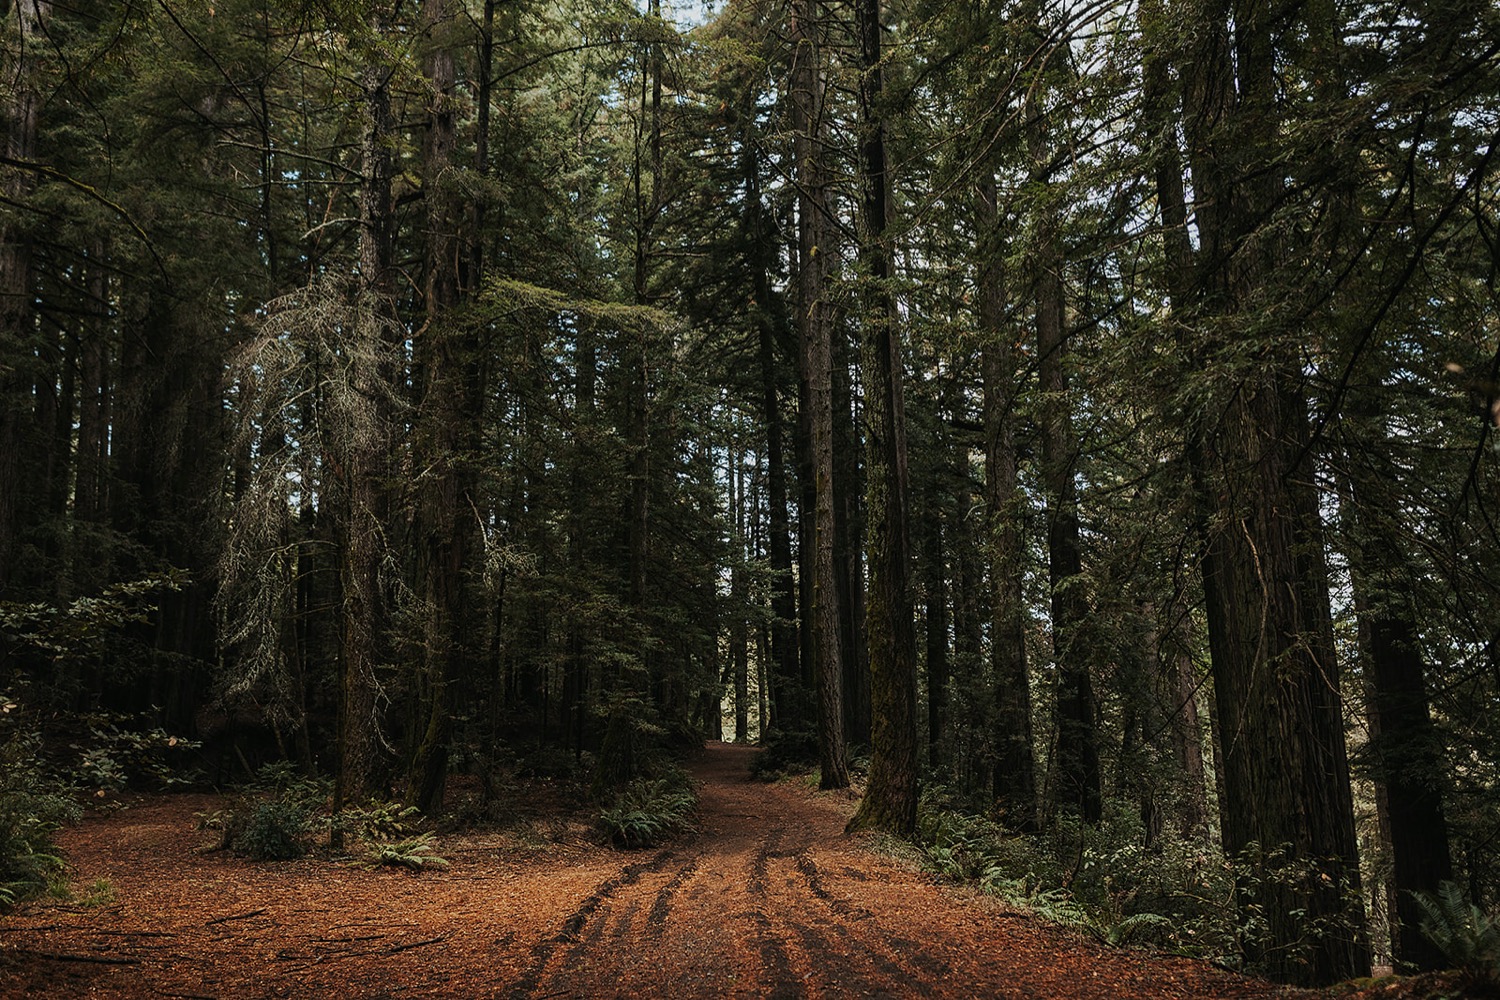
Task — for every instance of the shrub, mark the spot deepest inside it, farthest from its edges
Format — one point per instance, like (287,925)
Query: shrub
(786,752)
(275,816)
(649,811)
(379,821)
(1468,937)
(33,804)
(409,852)
(1100,879)
(273,830)
(114,755)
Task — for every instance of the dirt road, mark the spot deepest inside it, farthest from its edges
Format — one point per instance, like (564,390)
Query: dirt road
(768,899)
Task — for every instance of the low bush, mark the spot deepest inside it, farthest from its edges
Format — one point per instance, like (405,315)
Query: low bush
(1102,879)
(114,754)
(274,818)
(414,852)
(786,752)
(650,811)
(1468,937)
(34,803)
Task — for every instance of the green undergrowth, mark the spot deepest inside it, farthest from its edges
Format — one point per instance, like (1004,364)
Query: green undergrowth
(1467,935)
(786,753)
(651,809)
(283,815)
(1176,893)
(33,805)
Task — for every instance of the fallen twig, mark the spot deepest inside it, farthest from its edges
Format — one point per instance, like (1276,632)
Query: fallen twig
(235,916)
(137,933)
(96,959)
(393,949)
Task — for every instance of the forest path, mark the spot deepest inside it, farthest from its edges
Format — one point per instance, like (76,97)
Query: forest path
(768,899)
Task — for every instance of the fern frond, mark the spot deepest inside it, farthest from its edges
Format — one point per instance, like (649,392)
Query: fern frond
(1468,937)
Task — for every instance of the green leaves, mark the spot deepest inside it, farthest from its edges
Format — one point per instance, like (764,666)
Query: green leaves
(1468,936)
(649,812)
(78,631)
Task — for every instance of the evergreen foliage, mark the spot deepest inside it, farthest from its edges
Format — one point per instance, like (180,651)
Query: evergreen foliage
(650,811)
(1468,937)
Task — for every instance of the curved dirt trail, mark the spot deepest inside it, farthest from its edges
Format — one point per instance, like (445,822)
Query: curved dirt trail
(768,899)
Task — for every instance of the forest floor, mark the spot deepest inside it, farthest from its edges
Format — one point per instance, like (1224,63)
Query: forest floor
(768,898)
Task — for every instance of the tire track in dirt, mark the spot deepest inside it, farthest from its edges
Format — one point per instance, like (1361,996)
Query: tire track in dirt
(776,969)
(852,923)
(570,932)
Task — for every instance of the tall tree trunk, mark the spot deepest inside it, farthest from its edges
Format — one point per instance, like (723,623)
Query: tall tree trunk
(970,602)
(1407,749)
(890,800)
(936,615)
(815,249)
(1014,780)
(1276,677)
(449,416)
(1076,759)
(1408,752)
(1178,679)
(784,669)
(576,669)
(1175,665)
(618,759)
(739,632)
(364,435)
(17,316)
(848,520)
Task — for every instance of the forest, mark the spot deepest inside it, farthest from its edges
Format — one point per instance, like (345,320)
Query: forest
(1077,424)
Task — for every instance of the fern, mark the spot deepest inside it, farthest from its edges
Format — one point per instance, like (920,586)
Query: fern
(1129,929)
(1467,936)
(647,813)
(412,852)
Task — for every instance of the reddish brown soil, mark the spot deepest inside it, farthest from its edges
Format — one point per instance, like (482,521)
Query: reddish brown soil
(768,899)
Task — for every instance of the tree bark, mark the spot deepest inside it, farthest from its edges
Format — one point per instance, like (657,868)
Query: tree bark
(1407,749)
(815,250)
(17,316)
(1076,759)
(1014,779)
(1276,679)
(363,615)
(890,800)
(784,669)
(848,519)
(739,590)
(936,614)
(449,415)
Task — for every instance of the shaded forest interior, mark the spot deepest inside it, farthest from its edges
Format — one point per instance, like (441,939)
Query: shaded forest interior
(1073,421)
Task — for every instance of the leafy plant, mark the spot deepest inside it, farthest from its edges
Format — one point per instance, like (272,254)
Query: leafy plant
(648,812)
(113,755)
(1102,879)
(274,817)
(100,892)
(275,830)
(409,852)
(1467,936)
(378,820)
(33,804)
(786,752)
(1131,929)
